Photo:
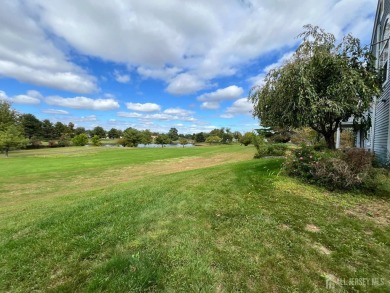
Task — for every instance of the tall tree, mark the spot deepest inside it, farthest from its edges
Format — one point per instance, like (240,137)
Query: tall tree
(146,137)
(60,129)
(114,133)
(32,126)
(322,85)
(11,132)
(12,137)
(8,116)
(132,137)
(173,134)
(48,131)
(163,139)
(99,131)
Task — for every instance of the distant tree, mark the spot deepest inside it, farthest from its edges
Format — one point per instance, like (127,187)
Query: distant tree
(200,137)
(226,135)
(96,140)
(80,130)
(133,137)
(64,140)
(114,133)
(12,137)
(11,131)
(323,84)
(70,129)
(216,132)
(80,139)
(247,138)
(163,139)
(173,134)
(59,129)
(213,139)
(48,131)
(183,141)
(99,131)
(237,135)
(31,125)
(146,137)
(8,116)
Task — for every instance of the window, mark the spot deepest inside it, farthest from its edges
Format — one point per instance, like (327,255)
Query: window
(384,52)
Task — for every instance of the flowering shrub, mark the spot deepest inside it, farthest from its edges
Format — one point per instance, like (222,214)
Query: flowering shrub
(335,170)
(300,163)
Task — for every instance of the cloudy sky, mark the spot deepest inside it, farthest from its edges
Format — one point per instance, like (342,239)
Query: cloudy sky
(155,64)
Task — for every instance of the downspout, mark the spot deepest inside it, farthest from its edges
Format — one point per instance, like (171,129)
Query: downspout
(372,130)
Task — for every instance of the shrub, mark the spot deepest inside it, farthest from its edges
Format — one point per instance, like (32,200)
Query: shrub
(281,138)
(346,170)
(64,141)
(96,141)
(52,143)
(300,162)
(271,150)
(80,140)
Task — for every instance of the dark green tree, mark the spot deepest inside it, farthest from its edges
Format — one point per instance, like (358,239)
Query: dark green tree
(200,137)
(48,131)
(31,125)
(146,137)
(322,85)
(114,133)
(163,139)
(173,134)
(99,131)
(80,139)
(132,137)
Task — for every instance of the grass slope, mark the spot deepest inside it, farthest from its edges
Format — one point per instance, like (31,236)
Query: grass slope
(221,225)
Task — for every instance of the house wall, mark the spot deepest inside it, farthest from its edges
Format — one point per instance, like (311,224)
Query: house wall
(381,131)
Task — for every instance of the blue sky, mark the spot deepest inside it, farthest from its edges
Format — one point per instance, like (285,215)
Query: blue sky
(155,64)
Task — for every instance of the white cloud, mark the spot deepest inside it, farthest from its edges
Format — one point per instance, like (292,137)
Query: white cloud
(28,55)
(166,73)
(25,99)
(170,114)
(240,107)
(129,115)
(147,107)
(122,78)
(178,111)
(31,98)
(187,50)
(83,103)
(185,83)
(212,100)
(55,112)
(210,105)
(228,93)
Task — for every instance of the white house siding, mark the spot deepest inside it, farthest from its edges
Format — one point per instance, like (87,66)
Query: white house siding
(381,139)
(382,126)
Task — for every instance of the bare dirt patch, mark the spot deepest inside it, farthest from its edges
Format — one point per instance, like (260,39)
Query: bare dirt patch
(377,211)
(312,228)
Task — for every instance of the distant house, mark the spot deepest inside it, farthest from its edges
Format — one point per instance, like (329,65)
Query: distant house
(379,136)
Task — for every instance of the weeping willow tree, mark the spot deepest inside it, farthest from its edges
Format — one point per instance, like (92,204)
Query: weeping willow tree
(320,86)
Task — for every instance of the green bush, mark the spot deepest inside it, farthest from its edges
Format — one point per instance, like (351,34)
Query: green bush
(80,140)
(300,162)
(271,150)
(344,170)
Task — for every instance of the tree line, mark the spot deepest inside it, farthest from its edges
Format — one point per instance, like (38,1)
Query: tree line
(25,130)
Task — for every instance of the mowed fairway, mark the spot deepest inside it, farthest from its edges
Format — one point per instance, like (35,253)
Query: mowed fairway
(202,219)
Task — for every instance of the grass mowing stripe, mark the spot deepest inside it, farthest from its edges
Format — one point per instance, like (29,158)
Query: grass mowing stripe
(234,227)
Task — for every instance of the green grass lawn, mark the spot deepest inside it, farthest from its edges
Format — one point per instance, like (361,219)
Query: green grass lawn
(207,219)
